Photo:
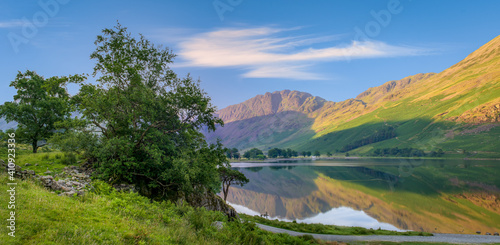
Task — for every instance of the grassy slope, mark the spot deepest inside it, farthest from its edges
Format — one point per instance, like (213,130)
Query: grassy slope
(104,216)
(425,111)
(118,218)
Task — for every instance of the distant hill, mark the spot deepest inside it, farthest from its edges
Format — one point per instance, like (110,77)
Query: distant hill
(4,125)
(454,110)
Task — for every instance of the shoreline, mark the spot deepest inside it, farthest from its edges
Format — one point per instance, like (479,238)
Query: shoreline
(274,160)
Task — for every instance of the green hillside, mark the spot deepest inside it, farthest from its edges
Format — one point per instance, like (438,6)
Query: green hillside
(455,110)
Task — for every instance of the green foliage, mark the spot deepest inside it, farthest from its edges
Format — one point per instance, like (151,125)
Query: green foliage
(147,120)
(406,152)
(254,153)
(286,153)
(69,159)
(232,153)
(230,177)
(74,139)
(380,135)
(37,106)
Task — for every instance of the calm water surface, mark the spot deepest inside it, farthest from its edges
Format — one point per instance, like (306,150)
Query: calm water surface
(446,196)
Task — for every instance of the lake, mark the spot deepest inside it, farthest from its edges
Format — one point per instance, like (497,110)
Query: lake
(443,196)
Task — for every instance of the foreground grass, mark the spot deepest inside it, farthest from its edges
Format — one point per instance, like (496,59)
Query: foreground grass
(46,159)
(110,217)
(328,229)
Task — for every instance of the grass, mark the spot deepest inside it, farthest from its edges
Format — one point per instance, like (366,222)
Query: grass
(104,216)
(328,229)
(46,158)
(110,217)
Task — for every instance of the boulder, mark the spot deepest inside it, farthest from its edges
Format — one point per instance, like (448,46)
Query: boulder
(212,202)
(46,180)
(69,193)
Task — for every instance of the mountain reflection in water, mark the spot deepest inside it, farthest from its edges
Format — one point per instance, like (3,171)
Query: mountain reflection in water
(447,196)
(342,216)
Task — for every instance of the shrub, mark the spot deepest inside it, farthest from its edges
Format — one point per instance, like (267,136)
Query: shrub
(69,159)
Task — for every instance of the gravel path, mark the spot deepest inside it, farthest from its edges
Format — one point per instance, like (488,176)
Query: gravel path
(448,238)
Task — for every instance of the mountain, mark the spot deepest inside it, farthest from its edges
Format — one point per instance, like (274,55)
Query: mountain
(4,125)
(455,110)
(268,119)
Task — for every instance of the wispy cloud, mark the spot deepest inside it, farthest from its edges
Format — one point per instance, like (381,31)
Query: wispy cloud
(267,53)
(11,23)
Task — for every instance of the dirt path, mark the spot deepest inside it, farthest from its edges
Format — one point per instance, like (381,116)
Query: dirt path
(448,238)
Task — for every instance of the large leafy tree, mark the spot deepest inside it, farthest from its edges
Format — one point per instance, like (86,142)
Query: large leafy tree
(149,119)
(38,105)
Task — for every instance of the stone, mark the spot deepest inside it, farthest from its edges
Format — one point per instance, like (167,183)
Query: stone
(46,180)
(80,175)
(48,172)
(495,234)
(36,164)
(31,172)
(212,202)
(69,193)
(27,164)
(218,224)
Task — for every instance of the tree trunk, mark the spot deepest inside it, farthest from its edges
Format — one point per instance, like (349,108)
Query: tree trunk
(35,146)
(225,190)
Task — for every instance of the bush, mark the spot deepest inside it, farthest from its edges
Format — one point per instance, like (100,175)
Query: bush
(69,159)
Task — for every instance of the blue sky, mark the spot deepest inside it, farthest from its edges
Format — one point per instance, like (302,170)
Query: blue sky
(241,48)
